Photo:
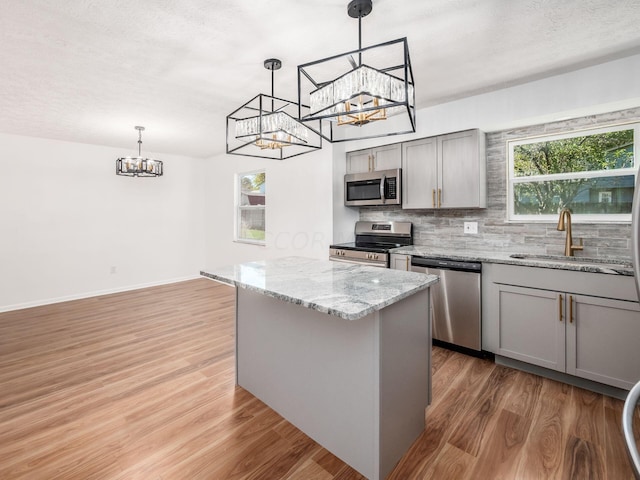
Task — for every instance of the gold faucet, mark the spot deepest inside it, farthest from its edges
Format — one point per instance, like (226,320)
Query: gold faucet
(564,223)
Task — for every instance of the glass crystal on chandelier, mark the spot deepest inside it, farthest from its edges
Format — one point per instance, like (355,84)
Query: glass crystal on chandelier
(277,130)
(362,88)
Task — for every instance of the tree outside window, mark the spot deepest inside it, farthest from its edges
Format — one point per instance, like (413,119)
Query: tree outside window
(251,205)
(592,174)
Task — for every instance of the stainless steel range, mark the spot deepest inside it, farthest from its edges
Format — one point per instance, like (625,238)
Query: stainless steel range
(373,242)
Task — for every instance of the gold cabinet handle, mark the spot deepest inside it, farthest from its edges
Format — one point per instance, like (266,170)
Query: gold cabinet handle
(433,198)
(560,306)
(407,263)
(439,197)
(570,308)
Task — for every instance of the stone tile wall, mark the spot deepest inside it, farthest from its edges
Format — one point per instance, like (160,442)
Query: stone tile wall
(444,228)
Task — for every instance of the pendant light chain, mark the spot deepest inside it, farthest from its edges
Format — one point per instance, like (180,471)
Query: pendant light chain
(273,73)
(360,40)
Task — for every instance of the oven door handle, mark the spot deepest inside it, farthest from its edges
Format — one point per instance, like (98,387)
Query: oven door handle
(358,262)
(383,180)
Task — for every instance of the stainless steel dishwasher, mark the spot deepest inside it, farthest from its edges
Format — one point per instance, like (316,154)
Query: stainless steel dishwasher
(455,300)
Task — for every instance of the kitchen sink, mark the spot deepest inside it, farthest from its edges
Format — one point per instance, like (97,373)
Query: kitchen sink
(576,260)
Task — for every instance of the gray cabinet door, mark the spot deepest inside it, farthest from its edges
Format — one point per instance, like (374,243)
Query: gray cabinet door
(420,174)
(603,340)
(460,173)
(532,326)
(387,157)
(360,161)
(400,262)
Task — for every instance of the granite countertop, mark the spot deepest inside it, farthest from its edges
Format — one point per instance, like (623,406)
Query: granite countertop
(344,290)
(614,266)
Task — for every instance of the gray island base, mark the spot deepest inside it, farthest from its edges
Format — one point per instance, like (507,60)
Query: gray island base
(343,352)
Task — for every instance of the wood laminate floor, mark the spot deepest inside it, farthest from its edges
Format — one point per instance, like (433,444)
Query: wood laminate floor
(140,385)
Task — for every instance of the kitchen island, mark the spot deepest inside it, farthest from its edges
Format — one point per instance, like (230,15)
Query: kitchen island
(341,351)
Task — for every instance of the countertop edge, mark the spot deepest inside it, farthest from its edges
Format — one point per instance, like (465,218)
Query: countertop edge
(487,257)
(314,306)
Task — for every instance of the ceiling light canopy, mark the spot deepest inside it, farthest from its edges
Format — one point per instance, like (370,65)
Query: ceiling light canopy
(139,166)
(369,88)
(267,126)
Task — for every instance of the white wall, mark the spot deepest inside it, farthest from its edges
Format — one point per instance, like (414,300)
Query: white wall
(298,214)
(66,219)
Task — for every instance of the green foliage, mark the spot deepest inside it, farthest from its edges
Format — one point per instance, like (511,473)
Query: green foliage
(253,182)
(252,234)
(599,152)
(247,184)
(259,179)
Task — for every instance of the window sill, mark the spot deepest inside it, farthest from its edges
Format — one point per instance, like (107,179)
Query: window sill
(257,243)
(575,220)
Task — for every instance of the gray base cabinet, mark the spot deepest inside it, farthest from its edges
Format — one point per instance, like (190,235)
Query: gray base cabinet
(400,262)
(577,331)
(603,341)
(359,388)
(530,326)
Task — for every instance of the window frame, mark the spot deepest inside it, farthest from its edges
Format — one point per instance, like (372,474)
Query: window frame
(576,218)
(238,208)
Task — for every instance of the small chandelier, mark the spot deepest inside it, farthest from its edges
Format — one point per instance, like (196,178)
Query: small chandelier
(267,127)
(365,93)
(139,166)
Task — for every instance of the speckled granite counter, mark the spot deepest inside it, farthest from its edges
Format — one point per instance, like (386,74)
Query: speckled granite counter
(344,290)
(614,266)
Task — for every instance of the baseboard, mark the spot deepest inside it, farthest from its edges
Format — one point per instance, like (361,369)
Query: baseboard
(563,377)
(96,293)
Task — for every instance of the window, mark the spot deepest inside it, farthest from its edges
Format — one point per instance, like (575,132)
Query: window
(590,172)
(251,202)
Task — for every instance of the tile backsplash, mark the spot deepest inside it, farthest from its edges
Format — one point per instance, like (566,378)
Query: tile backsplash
(444,228)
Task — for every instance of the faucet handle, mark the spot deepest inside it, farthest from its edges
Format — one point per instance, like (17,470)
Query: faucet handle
(578,247)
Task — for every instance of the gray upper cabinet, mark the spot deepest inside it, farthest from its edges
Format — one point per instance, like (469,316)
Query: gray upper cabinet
(462,173)
(380,158)
(447,171)
(420,173)
(358,162)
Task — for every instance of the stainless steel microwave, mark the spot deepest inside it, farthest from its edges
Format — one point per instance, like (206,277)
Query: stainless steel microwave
(373,188)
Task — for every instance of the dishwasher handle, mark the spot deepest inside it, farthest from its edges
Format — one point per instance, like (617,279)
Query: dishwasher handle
(447,264)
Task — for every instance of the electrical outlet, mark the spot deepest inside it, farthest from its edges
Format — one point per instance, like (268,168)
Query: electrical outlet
(471,227)
(113,270)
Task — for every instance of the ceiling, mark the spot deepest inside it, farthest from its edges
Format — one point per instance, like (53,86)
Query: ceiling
(89,70)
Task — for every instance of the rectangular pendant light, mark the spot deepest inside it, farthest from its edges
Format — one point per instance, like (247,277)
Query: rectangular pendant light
(268,127)
(364,93)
